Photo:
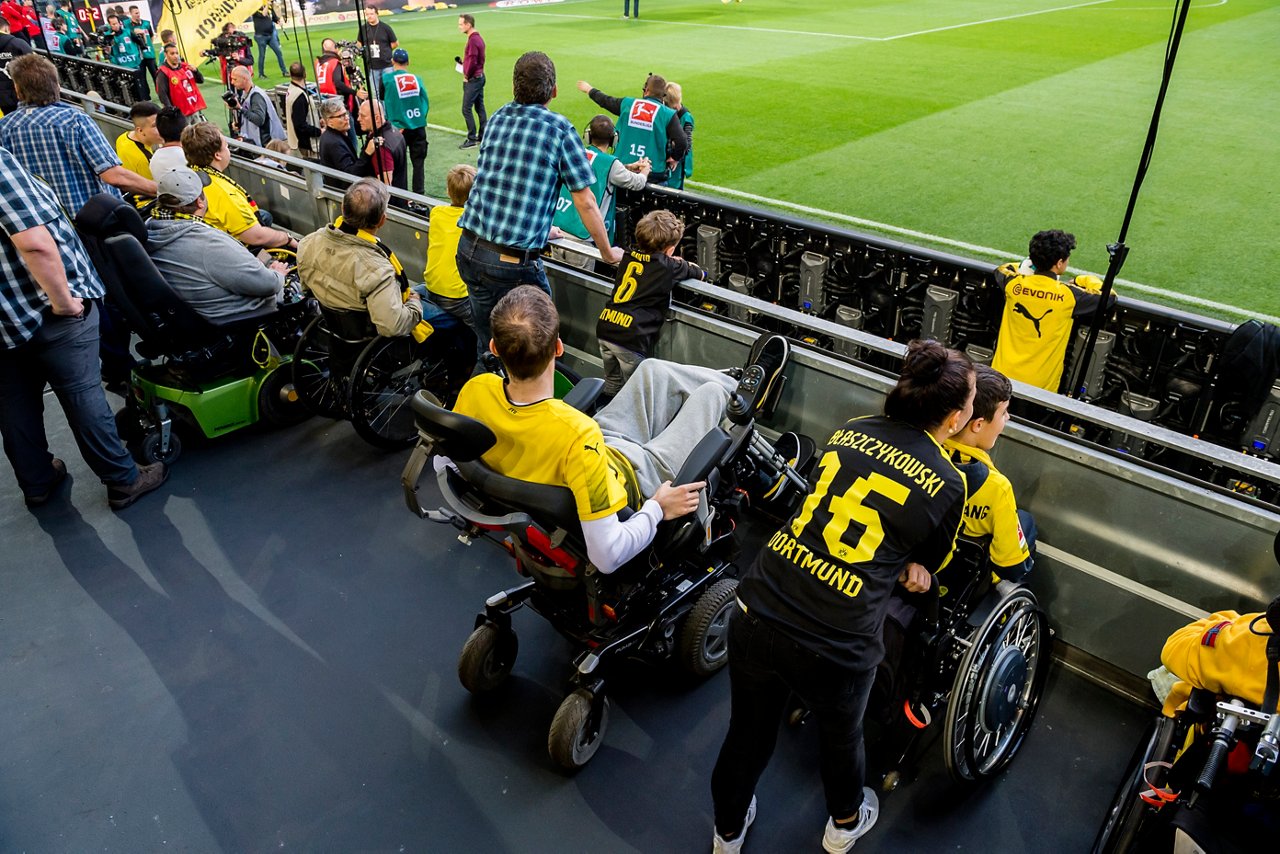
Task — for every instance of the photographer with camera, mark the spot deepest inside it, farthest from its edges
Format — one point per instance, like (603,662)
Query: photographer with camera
(124,52)
(255,120)
(144,36)
(178,83)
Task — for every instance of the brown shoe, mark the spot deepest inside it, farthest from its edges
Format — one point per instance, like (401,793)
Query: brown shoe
(149,478)
(59,475)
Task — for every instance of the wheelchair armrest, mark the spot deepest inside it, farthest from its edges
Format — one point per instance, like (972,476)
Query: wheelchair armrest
(583,395)
(244,320)
(510,522)
(704,458)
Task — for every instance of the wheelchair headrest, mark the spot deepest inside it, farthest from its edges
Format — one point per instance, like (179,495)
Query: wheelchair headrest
(105,215)
(458,437)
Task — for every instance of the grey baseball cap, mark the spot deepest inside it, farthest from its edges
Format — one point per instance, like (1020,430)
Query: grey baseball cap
(183,186)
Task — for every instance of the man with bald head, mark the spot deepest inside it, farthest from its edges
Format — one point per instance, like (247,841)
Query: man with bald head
(383,156)
(257,122)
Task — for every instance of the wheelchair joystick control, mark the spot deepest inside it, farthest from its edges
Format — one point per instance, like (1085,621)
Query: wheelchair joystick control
(742,403)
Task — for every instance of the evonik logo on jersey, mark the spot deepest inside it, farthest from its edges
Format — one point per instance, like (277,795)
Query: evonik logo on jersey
(642,115)
(407,85)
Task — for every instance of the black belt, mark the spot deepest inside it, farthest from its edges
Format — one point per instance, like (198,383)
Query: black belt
(525,255)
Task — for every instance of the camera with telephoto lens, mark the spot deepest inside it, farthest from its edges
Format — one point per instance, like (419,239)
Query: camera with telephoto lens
(228,45)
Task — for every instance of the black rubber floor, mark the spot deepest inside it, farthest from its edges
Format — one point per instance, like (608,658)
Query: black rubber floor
(261,657)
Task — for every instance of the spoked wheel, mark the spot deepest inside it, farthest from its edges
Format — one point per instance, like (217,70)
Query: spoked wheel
(384,380)
(1124,820)
(487,658)
(997,689)
(704,642)
(577,731)
(319,391)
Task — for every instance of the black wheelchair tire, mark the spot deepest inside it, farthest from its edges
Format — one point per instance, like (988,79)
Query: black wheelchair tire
(274,409)
(1124,819)
(704,640)
(382,387)
(129,425)
(148,450)
(577,730)
(1016,633)
(487,658)
(320,393)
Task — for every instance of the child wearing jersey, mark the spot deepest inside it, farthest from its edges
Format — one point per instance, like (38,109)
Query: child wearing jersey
(631,323)
(990,511)
(443,281)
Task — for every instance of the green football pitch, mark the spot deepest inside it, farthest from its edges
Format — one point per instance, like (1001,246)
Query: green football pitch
(960,124)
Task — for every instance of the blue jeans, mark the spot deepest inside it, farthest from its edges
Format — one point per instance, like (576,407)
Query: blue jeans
(765,667)
(63,353)
(272,41)
(488,278)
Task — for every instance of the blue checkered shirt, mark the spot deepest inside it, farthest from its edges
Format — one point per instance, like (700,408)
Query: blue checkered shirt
(527,153)
(62,146)
(25,204)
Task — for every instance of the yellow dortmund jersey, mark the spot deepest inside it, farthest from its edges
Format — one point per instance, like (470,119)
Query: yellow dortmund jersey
(229,208)
(135,156)
(990,510)
(1036,326)
(442,252)
(548,442)
(1218,653)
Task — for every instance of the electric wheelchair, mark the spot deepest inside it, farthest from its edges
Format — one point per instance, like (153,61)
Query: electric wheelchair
(342,369)
(963,661)
(1205,779)
(674,600)
(214,376)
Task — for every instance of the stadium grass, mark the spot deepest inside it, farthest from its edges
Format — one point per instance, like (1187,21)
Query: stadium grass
(982,131)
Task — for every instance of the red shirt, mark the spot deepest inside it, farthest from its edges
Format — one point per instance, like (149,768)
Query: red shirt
(473,57)
(16,15)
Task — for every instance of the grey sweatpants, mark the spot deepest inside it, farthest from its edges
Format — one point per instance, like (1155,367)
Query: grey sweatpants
(661,414)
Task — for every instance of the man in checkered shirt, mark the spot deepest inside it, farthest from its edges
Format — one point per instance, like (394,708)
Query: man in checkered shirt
(49,310)
(526,154)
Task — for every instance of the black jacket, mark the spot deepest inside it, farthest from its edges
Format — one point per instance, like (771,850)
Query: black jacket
(11,47)
(337,154)
(393,140)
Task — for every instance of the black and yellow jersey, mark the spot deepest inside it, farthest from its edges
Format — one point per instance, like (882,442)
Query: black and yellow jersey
(884,494)
(636,310)
(552,443)
(991,510)
(1035,328)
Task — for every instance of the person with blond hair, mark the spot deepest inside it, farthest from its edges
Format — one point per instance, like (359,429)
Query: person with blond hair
(443,234)
(684,168)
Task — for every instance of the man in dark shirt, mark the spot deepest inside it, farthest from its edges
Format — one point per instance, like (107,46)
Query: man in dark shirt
(267,35)
(384,154)
(300,113)
(11,47)
(336,150)
(380,40)
(472,81)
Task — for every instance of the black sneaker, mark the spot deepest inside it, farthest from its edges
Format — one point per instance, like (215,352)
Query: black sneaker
(150,478)
(771,353)
(469,143)
(41,498)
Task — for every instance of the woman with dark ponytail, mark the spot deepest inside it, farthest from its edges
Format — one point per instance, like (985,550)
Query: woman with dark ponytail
(884,507)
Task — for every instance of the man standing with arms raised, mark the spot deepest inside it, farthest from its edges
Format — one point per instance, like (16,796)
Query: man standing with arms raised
(472,81)
(529,152)
(647,127)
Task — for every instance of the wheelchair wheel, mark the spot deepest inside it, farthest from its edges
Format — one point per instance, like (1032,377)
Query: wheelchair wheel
(996,689)
(1124,820)
(577,730)
(148,450)
(704,642)
(384,380)
(319,392)
(278,402)
(487,658)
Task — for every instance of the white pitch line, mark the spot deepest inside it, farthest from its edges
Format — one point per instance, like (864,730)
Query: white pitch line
(995,20)
(844,36)
(981,250)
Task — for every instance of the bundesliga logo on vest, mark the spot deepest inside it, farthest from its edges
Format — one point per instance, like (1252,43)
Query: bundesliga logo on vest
(642,115)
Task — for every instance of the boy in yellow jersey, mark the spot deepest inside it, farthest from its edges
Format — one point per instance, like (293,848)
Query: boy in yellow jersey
(625,457)
(134,147)
(1039,311)
(990,511)
(443,282)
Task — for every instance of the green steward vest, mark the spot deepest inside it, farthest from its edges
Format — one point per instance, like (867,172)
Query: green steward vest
(642,131)
(405,98)
(567,218)
(124,51)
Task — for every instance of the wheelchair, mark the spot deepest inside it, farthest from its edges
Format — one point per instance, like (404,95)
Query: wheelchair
(215,377)
(962,661)
(343,369)
(1204,780)
(673,601)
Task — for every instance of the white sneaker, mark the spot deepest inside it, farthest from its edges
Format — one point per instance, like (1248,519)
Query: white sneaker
(837,840)
(733,846)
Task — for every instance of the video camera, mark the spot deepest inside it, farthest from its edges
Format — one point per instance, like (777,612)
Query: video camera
(229,46)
